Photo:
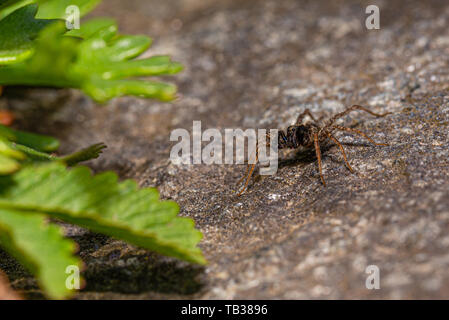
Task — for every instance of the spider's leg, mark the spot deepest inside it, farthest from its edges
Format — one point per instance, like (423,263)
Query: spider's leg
(246,173)
(245,187)
(250,168)
(318,155)
(302,115)
(359,133)
(341,149)
(350,109)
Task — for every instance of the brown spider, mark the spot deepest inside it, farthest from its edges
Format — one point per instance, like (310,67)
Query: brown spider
(311,135)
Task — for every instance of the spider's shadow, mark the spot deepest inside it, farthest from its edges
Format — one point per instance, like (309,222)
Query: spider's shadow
(138,272)
(306,156)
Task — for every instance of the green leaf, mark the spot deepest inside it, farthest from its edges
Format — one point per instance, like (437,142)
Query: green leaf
(56,9)
(16,145)
(91,152)
(102,64)
(32,140)
(91,27)
(9,6)
(9,157)
(103,205)
(8,151)
(8,165)
(48,9)
(19,30)
(40,247)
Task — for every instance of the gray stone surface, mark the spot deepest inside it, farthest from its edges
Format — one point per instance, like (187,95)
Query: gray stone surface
(257,64)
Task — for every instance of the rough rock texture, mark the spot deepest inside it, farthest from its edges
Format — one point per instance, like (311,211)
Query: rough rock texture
(257,64)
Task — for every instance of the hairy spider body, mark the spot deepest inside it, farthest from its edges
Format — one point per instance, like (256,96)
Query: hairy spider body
(296,136)
(310,135)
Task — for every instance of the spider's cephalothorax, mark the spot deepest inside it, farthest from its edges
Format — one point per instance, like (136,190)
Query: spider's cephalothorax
(296,136)
(311,135)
